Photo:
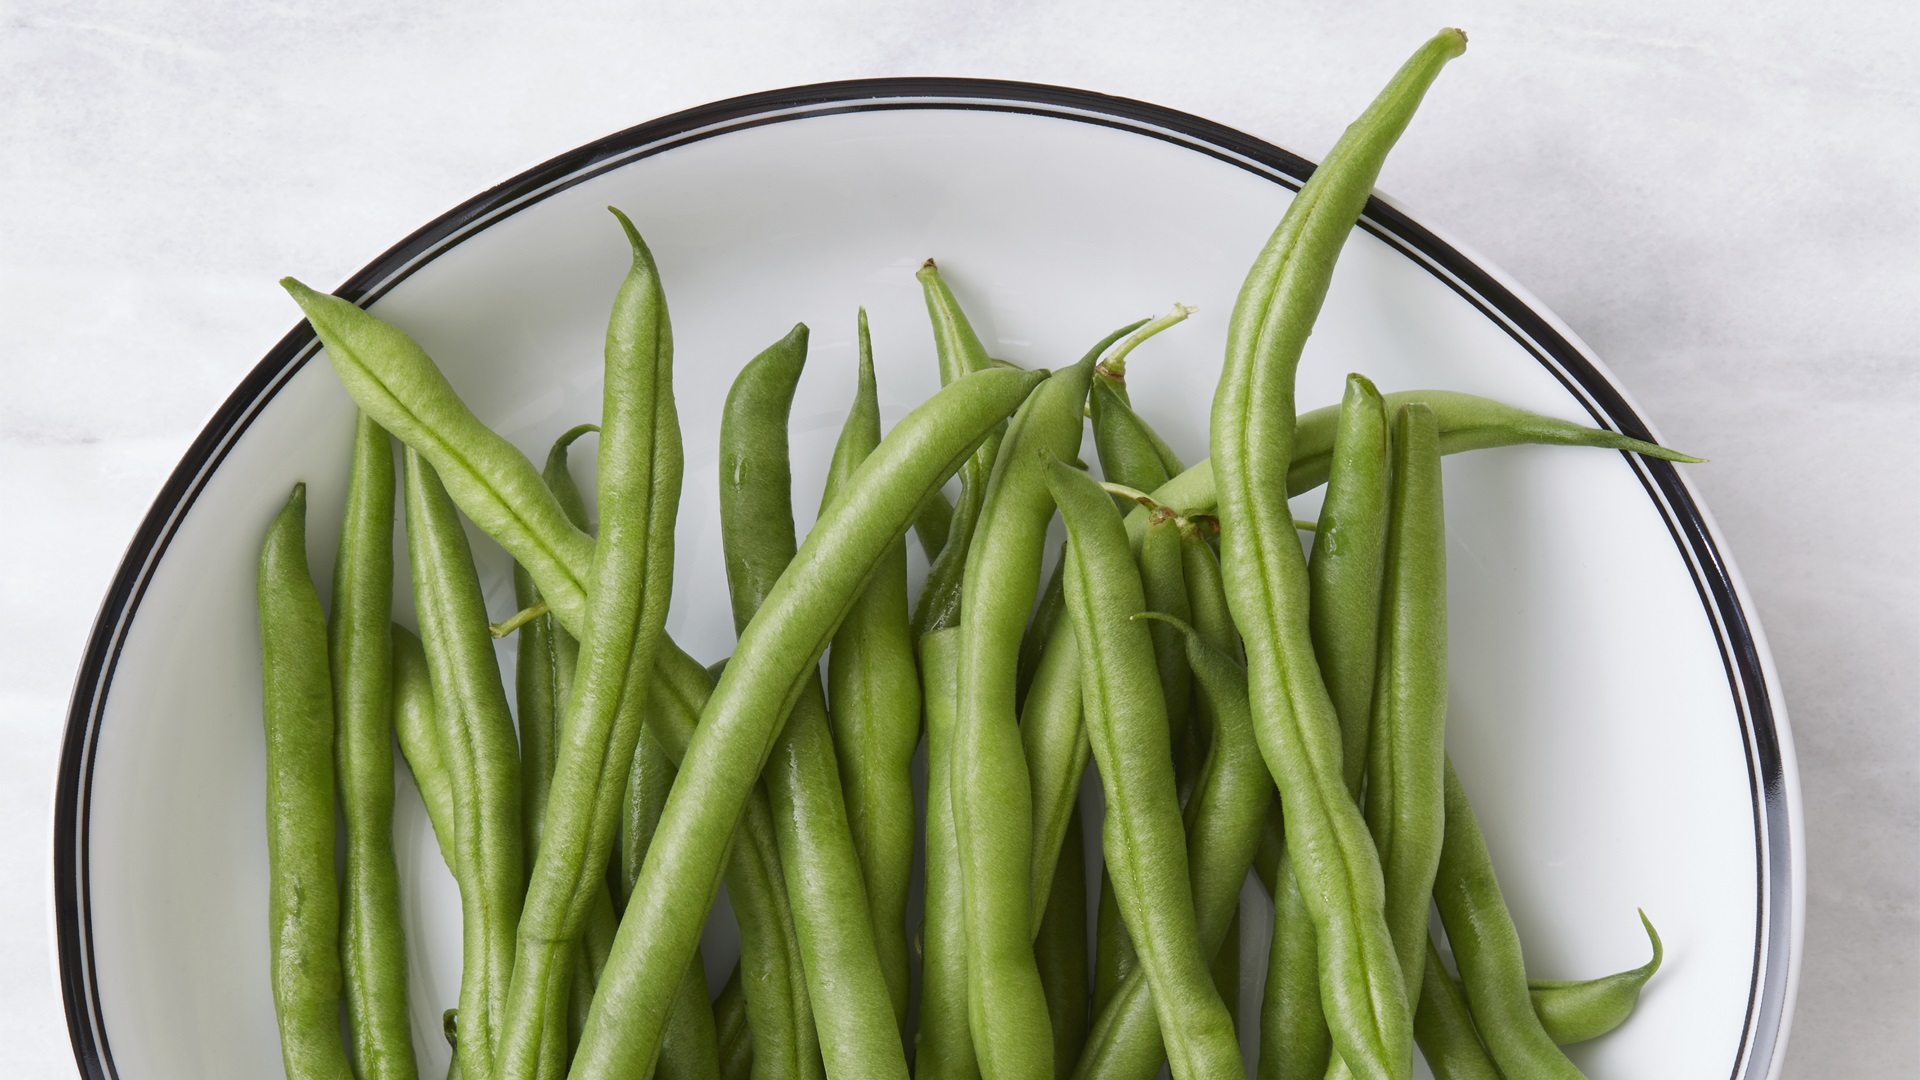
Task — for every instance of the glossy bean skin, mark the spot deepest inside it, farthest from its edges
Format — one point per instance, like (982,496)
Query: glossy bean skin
(1406,762)
(992,811)
(852,1006)
(873,686)
(481,756)
(1252,442)
(1146,848)
(373,949)
(943,1044)
(1060,950)
(959,351)
(639,467)
(1487,947)
(1222,823)
(298,714)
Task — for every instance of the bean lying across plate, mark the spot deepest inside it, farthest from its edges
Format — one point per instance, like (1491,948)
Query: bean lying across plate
(1245,704)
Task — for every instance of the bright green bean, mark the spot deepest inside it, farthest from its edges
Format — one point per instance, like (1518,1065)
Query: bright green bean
(1294,1041)
(373,950)
(859,1033)
(632,579)
(992,799)
(1575,1011)
(1114,958)
(1040,630)
(873,685)
(1060,950)
(1222,824)
(416,722)
(1147,854)
(1487,948)
(302,893)
(1252,437)
(481,755)
(1444,1028)
(943,1045)
(1054,743)
(1163,576)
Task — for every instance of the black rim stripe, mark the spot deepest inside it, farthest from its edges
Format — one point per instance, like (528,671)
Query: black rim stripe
(1754,1056)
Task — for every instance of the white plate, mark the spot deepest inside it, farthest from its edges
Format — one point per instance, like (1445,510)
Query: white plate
(1614,711)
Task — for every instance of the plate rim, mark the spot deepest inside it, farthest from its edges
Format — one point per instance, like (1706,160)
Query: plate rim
(1752,679)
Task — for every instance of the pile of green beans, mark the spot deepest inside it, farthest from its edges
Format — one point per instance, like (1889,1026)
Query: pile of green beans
(1242,704)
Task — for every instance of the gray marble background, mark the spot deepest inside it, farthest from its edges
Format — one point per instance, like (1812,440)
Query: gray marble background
(1720,198)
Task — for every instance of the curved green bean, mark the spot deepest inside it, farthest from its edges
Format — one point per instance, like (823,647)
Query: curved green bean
(302,892)
(992,808)
(1487,948)
(1253,435)
(873,685)
(852,1006)
(481,756)
(1146,847)
(1578,1010)
(1222,823)
(373,952)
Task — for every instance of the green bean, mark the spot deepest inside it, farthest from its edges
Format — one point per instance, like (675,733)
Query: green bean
(1487,948)
(1405,801)
(1126,724)
(1467,422)
(1054,743)
(1295,1043)
(690,1049)
(647,785)
(1345,573)
(416,722)
(932,523)
(779,1015)
(731,1031)
(1060,950)
(1444,1028)
(1033,644)
(992,800)
(1222,824)
(943,1045)
(632,579)
(873,683)
(482,759)
(1575,1011)
(1252,439)
(373,951)
(303,895)
(959,352)
(1163,576)
(852,1006)
(393,380)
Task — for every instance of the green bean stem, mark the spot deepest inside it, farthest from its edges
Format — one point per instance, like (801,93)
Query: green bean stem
(1252,435)
(1222,823)
(943,1045)
(1147,854)
(1487,947)
(859,1034)
(873,685)
(373,951)
(481,755)
(1131,453)
(302,893)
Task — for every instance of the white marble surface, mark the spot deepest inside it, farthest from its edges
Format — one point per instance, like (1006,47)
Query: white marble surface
(1720,198)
